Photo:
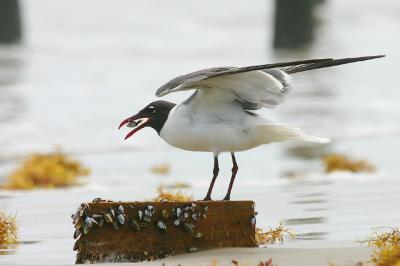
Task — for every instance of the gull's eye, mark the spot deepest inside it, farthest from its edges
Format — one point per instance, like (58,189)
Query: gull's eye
(151,109)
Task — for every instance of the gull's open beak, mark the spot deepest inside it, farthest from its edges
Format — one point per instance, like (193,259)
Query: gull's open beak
(135,121)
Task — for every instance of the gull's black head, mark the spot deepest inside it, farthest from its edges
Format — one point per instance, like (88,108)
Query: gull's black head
(153,115)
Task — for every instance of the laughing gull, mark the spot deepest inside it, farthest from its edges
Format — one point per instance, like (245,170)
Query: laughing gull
(218,117)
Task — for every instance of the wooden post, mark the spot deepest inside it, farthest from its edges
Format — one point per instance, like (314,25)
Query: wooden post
(294,23)
(139,231)
(10,21)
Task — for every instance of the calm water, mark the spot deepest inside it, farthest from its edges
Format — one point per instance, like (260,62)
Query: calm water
(85,66)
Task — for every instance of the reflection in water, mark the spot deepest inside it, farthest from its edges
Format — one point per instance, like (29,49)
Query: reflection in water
(308,220)
(11,67)
(309,197)
(8,249)
(315,209)
(295,28)
(311,201)
(11,104)
(308,151)
(12,249)
(311,236)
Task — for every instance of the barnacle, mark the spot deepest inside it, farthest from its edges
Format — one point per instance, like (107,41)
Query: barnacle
(272,236)
(8,229)
(340,162)
(163,194)
(385,242)
(46,171)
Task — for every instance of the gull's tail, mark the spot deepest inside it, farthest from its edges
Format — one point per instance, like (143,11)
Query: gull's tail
(281,132)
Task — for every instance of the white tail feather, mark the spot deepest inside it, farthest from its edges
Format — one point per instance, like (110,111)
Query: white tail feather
(282,132)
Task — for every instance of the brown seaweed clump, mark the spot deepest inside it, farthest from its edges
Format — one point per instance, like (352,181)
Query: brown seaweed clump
(272,236)
(46,171)
(340,162)
(161,169)
(165,195)
(8,229)
(386,246)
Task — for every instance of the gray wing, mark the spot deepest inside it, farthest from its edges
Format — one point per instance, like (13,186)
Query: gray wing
(253,87)
(192,78)
(207,73)
(288,67)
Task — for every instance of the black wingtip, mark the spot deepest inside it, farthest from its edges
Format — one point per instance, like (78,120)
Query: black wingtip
(342,61)
(364,58)
(377,56)
(330,63)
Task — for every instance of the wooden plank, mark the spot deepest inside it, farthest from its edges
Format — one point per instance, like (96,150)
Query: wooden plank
(189,226)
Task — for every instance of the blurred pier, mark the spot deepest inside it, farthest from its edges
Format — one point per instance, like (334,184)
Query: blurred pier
(294,23)
(10,21)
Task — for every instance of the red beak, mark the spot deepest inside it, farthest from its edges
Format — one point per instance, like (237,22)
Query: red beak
(126,121)
(141,123)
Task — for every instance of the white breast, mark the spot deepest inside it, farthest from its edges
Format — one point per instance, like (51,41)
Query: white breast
(215,129)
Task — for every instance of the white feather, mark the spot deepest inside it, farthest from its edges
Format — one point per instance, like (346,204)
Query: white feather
(199,126)
(256,87)
(283,132)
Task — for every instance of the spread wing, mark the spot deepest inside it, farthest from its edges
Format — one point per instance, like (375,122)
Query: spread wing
(253,87)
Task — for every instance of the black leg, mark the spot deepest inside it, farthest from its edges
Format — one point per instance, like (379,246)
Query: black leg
(235,168)
(215,174)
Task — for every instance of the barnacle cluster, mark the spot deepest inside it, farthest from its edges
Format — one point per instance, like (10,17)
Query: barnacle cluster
(46,171)
(272,236)
(165,195)
(8,229)
(83,221)
(184,217)
(340,162)
(386,244)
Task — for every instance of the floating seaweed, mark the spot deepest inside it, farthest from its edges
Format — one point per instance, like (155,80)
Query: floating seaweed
(272,236)
(386,244)
(161,169)
(164,195)
(46,171)
(340,162)
(8,229)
